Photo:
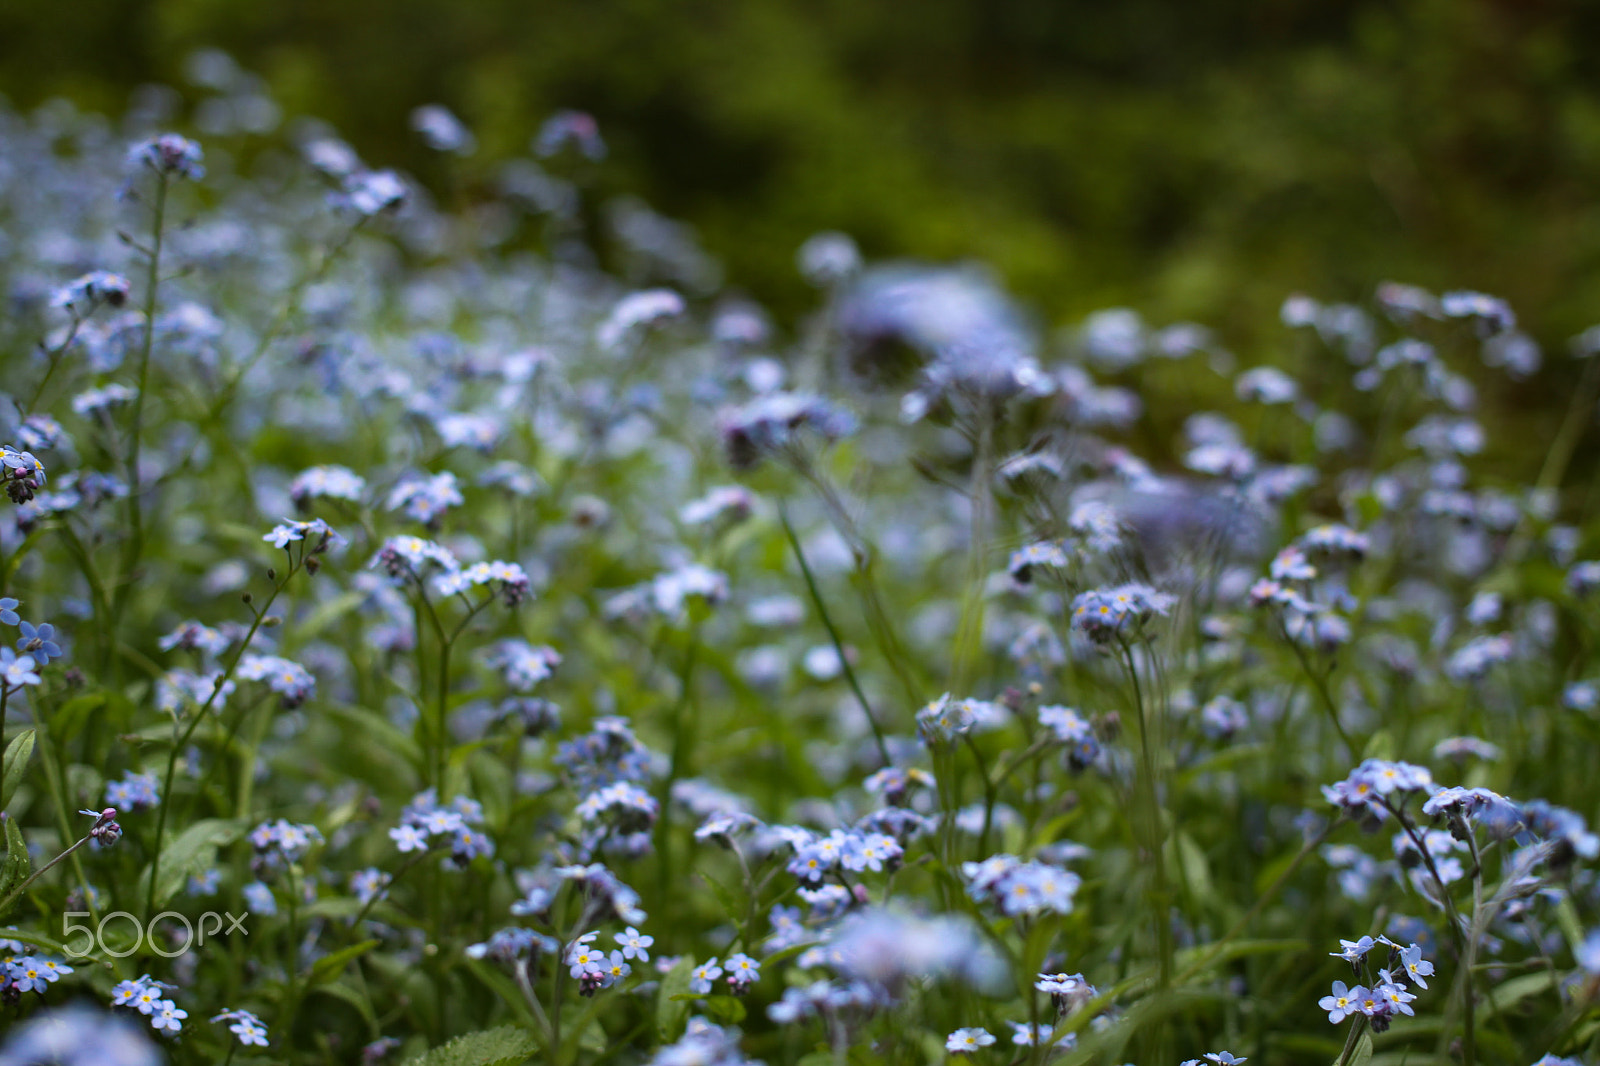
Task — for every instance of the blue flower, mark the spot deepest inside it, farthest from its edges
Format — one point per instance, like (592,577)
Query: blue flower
(1343,1003)
(1354,950)
(1418,967)
(39,642)
(635,945)
(701,977)
(966,1041)
(168,154)
(8,610)
(1588,953)
(743,971)
(17,670)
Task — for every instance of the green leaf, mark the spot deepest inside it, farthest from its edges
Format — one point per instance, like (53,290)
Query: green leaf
(505,1046)
(725,1010)
(16,762)
(54,947)
(326,614)
(729,904)
(1568,921)
(1192,865)
(379,733)
(1381,746)
(340,990)
(503,986)
(14,870)
(330,966)
(192,851)
(670,1009)
(1202,958)
(1362,1054)
(72,716)
(333,907)
(1226,759)
(1509,993)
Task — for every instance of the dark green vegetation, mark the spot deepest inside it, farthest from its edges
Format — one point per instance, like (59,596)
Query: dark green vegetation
(1190,159)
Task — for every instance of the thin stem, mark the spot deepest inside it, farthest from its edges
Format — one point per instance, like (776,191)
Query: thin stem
(1357,1027)
(991,792)
(833,634)
(532,998)
(1464,944)
(969,633)
(1151,816)
(442,687)
(5,695)
(55,355)
(134,548)
(292,965)
(5,904)
(681,743)
(199,716)
(1320,683)
(285,315)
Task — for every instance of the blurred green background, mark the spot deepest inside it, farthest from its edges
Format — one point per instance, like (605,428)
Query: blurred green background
(1193,159)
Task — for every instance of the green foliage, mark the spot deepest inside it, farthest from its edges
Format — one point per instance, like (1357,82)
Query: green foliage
(1187,158)
(506,1046)
(18,751)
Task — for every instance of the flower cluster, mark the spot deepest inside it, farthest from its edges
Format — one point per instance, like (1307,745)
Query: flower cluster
(147,996)
(1387,993)
(244,1025)
(843,849)
(1109,614)
(425,824)
(1021,888)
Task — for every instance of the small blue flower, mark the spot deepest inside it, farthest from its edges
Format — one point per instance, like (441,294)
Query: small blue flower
(701,977)
(1343,1003)
(1588,953)
(258,897)
(39,642)
(1417,968)
(635,945)
(966,1041)
(742,971)
(1354,950)
(17,670)
(8,610)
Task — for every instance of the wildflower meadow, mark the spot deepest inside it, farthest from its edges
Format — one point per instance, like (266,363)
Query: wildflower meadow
(424,644)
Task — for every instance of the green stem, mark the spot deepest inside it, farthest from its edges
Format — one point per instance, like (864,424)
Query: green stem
(1357,1027)
(991,792)
(969,632)
(134,547)
(532,998)
(286,314)
(1465,945)
(194,722)
(5,695)
(406,867)
(1151,816)
(291,967)
(5,904)
(833,634)
(54,761)
(442,687)
(1320,683)
(681,745)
